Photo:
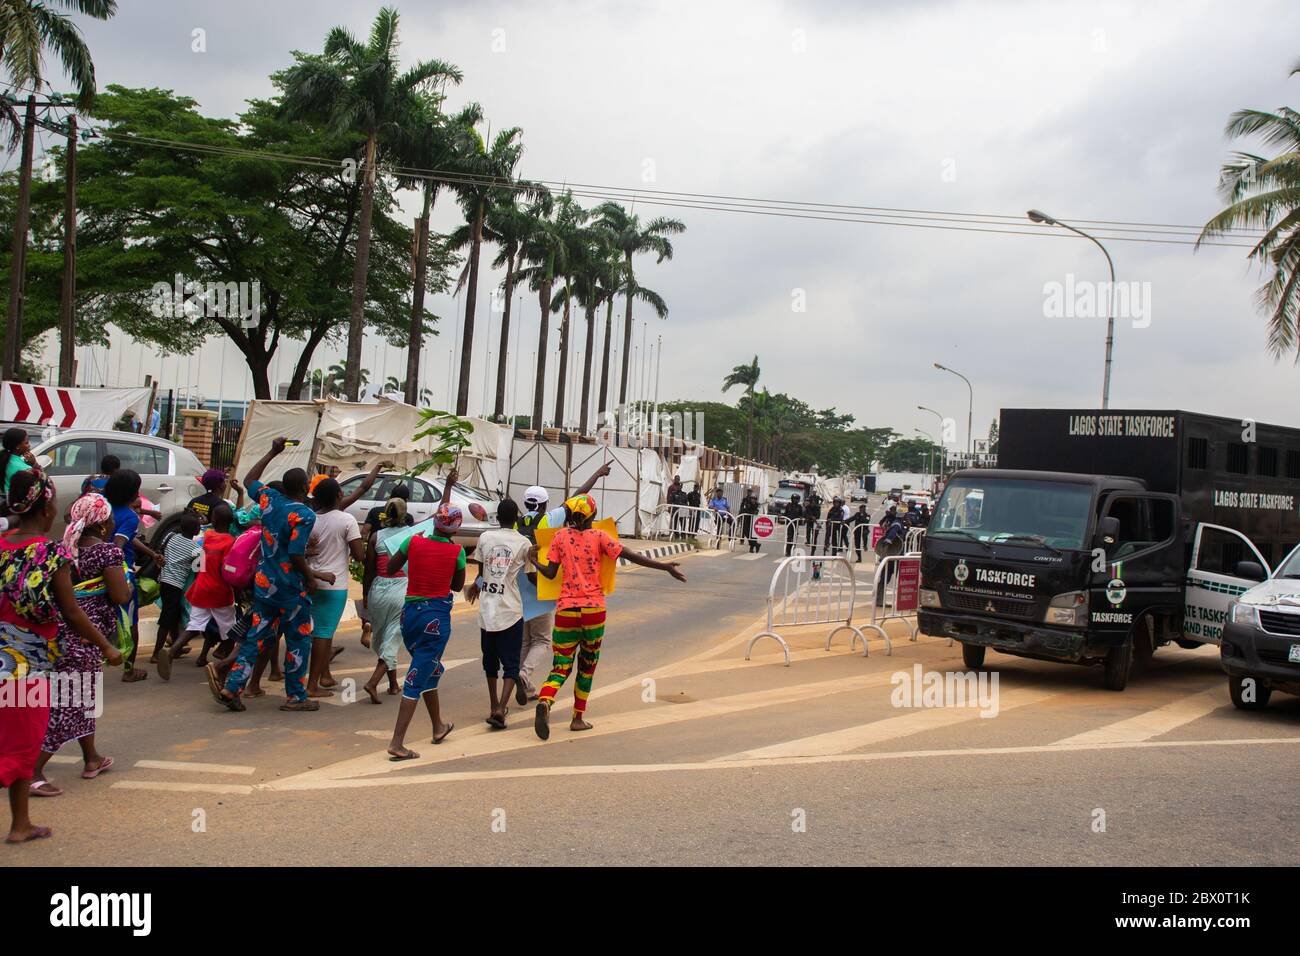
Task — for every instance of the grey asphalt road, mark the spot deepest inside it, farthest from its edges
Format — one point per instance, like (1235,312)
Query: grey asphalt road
(701,757)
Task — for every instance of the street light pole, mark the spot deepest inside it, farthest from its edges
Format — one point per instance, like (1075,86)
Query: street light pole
(970,408)
(943,460)
(1042,217)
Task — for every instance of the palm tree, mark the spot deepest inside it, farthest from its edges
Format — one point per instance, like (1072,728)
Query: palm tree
(486,171)
(569,235)
(337,375)
(428,141)
(544,249)
(394,384)
(27,27)
(745,376)
(1262,194)
(590,277)
(357,87)
(510,227)
(630,238)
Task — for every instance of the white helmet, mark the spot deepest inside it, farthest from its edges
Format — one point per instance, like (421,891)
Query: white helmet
(536,497)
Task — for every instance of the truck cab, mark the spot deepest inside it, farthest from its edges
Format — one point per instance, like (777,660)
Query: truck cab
(1087,569)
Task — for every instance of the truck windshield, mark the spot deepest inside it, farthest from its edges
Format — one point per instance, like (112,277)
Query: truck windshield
(1015,511)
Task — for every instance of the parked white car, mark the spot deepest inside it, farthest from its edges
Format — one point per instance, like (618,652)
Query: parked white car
(426,495)
(168,473)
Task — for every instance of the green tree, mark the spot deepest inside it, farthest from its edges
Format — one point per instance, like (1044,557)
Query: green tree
(1264,193)
(544,250)
(746,376)
(632,238)
(219,215)
(358,87)
(487,173)
(28,27)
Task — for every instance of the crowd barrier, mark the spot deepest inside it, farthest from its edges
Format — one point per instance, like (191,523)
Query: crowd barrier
(808,590)
(822,537)
(671,521)
(912,544)
(900,603)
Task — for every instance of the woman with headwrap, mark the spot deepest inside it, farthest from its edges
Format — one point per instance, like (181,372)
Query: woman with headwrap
(435,568)
(99,583)
(36,591)
(384,593)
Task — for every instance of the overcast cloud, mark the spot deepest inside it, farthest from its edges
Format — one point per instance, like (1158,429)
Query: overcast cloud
(1104,111)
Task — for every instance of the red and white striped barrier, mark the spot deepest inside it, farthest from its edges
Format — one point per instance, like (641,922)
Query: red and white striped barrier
(42,405)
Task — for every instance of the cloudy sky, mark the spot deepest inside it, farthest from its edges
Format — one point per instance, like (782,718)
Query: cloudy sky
(1089,111)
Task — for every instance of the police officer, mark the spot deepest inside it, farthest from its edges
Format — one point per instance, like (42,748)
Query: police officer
(748,512)
(835,519)
(794,512)
(861,529)
(812,511)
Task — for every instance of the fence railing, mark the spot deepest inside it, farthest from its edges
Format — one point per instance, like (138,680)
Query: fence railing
(807,591)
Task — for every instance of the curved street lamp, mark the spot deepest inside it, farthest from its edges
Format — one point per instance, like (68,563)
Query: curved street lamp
(939,416)
(970,409)
(1042,217)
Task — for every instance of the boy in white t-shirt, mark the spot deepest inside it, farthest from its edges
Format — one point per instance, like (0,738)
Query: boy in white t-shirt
(501,554)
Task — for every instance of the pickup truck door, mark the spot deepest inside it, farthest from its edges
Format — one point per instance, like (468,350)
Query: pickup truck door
(1212,583)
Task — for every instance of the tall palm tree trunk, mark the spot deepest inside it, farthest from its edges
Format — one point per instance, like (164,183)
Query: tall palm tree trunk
(417,305)
(564,359)
(749,427)
(357,319)
(543,333)
(471,300)
(499,409)
(586,368)
(604,364)
(627,332)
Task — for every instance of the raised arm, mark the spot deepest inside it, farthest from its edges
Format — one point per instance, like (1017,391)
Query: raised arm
(599,473)
(672,567)
(255,473)
(366,483)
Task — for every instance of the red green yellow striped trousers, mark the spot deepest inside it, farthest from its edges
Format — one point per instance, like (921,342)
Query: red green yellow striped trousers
(578,633)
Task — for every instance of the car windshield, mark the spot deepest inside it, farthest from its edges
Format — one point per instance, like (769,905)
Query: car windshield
(1015,511)
(1290,567)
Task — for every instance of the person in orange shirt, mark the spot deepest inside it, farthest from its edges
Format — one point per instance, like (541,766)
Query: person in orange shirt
(577,549)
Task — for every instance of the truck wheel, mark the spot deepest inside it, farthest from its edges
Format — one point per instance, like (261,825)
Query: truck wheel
(1188,645)
(1119,664)
(972,655)
(1237,690)
(1144,642)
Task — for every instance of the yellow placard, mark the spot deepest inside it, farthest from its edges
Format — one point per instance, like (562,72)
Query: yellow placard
(548,589)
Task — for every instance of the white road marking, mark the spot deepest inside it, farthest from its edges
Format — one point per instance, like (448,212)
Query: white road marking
(756,556)
(1153,723)
(194,767)
(639,719)
(908,722)
(183,787)
(598,769)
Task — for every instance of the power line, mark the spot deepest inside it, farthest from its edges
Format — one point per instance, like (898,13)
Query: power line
(830,212)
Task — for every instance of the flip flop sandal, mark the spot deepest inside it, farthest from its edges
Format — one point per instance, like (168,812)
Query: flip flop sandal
(233,703)
(542,722)
(521,695)
(496,722)
(300,705)
(214,682)
(38,833)
(409,755)
(35,789)
(443,736)
(104,765)
(165,666)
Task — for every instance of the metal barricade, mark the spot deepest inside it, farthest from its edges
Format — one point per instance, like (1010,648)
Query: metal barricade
(823,537)
(890,600)
(811,590)
(670,521)
(912,543)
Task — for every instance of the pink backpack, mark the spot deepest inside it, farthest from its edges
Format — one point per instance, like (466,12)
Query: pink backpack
(241,560)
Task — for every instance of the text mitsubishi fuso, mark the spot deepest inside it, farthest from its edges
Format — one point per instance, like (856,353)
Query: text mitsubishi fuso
(1104,535)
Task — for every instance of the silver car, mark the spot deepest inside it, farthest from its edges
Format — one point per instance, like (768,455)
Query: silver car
(426,495)
(169,474)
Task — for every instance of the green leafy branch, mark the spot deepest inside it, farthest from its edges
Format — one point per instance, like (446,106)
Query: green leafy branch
(450,434)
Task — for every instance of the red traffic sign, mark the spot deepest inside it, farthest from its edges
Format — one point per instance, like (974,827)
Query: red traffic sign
(763,526)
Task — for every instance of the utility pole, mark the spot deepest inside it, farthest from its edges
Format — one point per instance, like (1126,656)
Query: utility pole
(13,350)
(67,317)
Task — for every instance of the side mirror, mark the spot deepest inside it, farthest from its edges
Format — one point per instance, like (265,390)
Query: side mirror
(1250,570)
(1107,531)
